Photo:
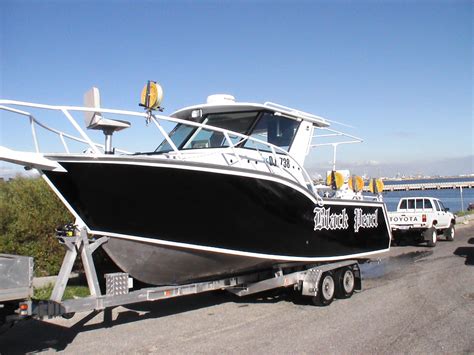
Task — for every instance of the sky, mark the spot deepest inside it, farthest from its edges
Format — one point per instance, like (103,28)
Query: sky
(399,72)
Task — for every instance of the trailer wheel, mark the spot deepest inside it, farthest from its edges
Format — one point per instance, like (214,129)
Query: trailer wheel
(345,282)
(432,236)
(449,233)
(326,290)
(68,315)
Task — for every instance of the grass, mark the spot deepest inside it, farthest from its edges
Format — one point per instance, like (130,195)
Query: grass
(463,213)
(44,293)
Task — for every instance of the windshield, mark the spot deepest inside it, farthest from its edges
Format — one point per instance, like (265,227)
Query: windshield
(239,122)
(177,135)
(264,126)
(190,137)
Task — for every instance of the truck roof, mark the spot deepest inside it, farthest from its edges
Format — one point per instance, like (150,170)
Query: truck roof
(404,198)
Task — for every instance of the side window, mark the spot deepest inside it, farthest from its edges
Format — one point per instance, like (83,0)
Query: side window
(441,206)
(276,130)
(428,205)
(411,204)
(403,205)
(419,203)
(436,205)
(177,135)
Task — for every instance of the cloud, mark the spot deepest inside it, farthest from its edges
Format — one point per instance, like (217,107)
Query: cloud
(364,163)
(435,167)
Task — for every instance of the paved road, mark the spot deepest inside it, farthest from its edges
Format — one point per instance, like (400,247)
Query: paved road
(416,300)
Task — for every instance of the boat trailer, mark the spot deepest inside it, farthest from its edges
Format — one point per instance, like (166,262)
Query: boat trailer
(322,282)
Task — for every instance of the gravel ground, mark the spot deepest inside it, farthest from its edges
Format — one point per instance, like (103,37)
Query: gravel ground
(414,300)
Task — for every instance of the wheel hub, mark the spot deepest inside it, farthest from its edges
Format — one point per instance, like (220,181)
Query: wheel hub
(348,281)
(328,287)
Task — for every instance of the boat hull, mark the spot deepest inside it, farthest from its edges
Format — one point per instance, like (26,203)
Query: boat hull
(172,223)
(162,265)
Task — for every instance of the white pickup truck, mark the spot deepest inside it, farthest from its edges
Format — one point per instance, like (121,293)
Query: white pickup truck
(423,219)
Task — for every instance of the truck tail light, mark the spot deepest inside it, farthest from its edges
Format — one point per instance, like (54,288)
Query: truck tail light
(23,309)
(423,218)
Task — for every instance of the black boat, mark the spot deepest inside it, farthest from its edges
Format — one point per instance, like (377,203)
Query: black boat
(224,193)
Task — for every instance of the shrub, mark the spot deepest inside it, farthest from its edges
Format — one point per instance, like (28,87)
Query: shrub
(29,214)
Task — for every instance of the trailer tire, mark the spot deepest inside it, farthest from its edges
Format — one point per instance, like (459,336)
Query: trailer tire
(449,232)
(432,236)
(68,315)
(326,290)
(345,282)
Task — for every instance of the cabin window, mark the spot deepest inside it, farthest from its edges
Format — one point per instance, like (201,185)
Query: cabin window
(441,206)
(403,205)
(411,204)
(190,137)
(178,135)
(428,204)
(269,128)
(419,203)
(239,122)
(277,130)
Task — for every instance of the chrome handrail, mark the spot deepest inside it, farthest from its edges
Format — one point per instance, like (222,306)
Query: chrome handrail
(155,119)
(61,134)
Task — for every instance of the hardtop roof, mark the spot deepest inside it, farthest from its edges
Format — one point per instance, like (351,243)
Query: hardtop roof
(185,113)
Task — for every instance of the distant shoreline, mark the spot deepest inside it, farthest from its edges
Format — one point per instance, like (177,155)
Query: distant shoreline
(464,176)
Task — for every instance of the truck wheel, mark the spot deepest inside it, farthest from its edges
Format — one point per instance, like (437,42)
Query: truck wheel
(326,290)
(345,282)
(4,326)
(394,241)
(432,236)
(449,233)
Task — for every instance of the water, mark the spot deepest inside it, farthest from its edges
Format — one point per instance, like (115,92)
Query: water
(381,267)
(451,198)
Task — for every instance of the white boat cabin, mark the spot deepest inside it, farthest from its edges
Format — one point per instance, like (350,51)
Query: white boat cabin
(271,137)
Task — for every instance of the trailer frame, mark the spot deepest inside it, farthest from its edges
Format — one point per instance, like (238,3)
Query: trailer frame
(302,278)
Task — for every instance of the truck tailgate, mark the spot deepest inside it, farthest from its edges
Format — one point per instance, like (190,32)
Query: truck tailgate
(16,277)
(406,220)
